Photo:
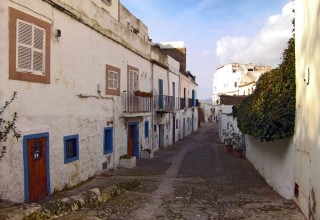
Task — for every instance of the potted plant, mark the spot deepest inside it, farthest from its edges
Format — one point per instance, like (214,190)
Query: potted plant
(228,138)
(238,147)
(127,161)
(146,154)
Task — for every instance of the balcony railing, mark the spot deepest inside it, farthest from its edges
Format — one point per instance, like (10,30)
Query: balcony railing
(190,104)
(166,103)
(182,103)
(134,103)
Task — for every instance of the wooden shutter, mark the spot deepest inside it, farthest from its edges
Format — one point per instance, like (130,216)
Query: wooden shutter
(30,47)
(38,53)
(24,46)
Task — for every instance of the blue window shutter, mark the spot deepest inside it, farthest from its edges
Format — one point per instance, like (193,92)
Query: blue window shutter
(108,141)
(146,129)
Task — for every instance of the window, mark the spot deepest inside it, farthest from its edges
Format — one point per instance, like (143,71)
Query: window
(71,148)
(113,80)
(108,141)
(146,129)
(235,84)
(29,48)
(133,79)
(177,123)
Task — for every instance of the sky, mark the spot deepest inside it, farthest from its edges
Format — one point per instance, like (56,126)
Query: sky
(218,32)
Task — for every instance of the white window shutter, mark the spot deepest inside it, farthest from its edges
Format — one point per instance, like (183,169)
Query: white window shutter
(24,44)
(38,53)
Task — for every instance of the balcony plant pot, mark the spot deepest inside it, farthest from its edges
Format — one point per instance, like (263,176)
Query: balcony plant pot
(229,148)
(237,153)
(127,162)
(146,154)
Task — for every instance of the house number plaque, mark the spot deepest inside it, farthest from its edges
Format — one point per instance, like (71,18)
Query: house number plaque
(37,150)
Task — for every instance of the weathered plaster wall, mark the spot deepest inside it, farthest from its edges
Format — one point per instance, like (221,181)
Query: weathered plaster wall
(306,139)
(274,161)
(78,60)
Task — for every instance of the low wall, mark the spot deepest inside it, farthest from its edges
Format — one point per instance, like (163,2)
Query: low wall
(274,161)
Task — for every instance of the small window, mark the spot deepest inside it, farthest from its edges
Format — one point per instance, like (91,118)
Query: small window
(71,148)
(146,129)
(108,141)
(113,80)
(177,123)
(235,84)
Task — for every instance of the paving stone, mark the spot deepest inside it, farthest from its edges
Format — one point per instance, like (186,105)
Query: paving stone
(193,179)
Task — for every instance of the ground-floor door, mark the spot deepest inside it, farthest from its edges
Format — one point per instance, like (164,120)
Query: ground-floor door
(184,127)
(173,129)
(133,140)
(161,136)
(37,162)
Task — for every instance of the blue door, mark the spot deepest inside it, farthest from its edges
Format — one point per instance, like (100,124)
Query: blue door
(192,119)
(160,94)
(193,98)
(133,140)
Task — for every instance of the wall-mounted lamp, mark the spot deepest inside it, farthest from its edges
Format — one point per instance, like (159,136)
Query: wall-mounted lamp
(57,33)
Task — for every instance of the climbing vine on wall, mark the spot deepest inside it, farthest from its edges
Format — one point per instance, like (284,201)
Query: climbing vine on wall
(7,126)
(269,113)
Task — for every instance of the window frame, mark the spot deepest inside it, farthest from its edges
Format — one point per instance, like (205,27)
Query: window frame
(136,70)
(65,139)
(14,73)
(112,91)
(105,149)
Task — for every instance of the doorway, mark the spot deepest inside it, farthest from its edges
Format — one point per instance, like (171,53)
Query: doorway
(161,136)
(133,140)
(36,167)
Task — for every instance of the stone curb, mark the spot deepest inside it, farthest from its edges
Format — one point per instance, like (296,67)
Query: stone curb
(90,198)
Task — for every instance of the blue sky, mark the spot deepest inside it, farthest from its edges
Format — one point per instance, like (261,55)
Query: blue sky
(217,32)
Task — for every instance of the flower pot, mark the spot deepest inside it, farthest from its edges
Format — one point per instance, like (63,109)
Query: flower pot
(237,153)
(229,148)
(127,162)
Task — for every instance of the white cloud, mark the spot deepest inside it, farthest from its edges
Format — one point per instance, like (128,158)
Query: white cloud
(265,48)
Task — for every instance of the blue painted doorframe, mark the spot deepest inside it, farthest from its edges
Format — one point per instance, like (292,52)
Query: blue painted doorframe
(136,151)
(25,162)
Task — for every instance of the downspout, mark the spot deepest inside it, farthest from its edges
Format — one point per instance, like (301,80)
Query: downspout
(152,103)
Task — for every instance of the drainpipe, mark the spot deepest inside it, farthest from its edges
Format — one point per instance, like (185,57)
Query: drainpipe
(152,103)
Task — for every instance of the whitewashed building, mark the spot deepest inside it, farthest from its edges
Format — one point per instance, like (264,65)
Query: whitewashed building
(84,73)
(236,79)
(306,144)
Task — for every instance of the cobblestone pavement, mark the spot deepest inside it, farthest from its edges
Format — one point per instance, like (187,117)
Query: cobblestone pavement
(194,179)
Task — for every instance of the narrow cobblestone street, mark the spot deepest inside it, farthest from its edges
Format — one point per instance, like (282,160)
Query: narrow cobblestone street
(193,179)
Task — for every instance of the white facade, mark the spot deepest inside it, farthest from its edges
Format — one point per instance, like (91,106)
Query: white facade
(72,101)
(274,161)
(306,139)
(236,79)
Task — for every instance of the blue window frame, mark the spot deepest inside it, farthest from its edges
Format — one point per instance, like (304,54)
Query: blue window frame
(71,148)
(146,129)
(107,141)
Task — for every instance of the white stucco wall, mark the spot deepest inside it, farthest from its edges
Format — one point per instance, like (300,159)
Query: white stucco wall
(307,130)
(77,67)
(274,161)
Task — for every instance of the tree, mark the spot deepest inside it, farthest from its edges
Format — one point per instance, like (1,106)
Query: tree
(7,126)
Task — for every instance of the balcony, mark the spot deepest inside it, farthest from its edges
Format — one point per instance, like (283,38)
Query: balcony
(182,103)
(137,102)
(167,103)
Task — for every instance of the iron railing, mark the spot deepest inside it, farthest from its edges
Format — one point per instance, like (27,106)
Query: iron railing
(164,102)
(134,103)
(182,103)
